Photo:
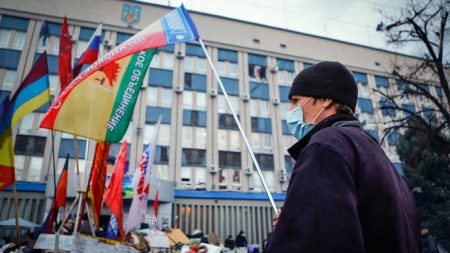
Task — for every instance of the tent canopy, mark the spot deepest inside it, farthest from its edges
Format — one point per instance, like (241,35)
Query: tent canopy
(11,223)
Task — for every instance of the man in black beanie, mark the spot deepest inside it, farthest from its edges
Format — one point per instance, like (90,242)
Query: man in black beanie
(344,194)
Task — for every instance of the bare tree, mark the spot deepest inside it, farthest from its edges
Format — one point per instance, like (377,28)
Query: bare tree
(422,23)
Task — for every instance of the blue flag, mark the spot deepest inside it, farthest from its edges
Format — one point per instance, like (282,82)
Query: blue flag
(113,228)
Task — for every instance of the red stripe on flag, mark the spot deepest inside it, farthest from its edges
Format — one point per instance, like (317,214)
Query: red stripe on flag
(7,176)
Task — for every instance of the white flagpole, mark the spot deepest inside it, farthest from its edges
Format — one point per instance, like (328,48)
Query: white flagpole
(250,150)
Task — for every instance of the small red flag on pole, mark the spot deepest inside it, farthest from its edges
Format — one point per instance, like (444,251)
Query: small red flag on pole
(65,56)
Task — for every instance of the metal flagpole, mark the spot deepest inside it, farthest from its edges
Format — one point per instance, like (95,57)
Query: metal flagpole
(250,150)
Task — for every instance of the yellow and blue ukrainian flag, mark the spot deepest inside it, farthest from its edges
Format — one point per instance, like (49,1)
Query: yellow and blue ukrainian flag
(33,93)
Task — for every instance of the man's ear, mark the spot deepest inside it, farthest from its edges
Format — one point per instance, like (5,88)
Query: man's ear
(327,102)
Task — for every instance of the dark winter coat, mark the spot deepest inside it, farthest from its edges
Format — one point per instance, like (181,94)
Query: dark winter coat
(344,195)
(241,241)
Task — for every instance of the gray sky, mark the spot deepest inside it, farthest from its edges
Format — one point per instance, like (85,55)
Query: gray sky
(347,20)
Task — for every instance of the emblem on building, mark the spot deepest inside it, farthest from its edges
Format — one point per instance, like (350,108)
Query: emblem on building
(131,14)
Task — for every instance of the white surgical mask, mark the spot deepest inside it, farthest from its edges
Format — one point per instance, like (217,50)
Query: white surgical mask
(296,125)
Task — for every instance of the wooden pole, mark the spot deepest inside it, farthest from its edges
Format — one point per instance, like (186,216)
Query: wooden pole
(80,190)
(17,214)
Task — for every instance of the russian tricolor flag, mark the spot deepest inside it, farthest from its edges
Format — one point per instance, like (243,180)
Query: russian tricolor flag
(91,53)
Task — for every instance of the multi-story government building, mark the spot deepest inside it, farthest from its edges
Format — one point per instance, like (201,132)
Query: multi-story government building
(205,171)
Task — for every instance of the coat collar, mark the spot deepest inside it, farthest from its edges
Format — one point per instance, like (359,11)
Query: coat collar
(296,149)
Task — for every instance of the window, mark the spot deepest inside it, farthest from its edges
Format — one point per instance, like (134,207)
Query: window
(153,113)
(195,50)
(194,82)
(26,124)
(231,85)
(387,109)
(15,23)
(52,61)
(35,169)
(81,48)
(86,34)
(410,109)
(195,58)
(67,147)
(285,74)
(194,118)
(9,59)
(19,40)
(229,159)
(393,138)
(257,67)
(188,63)
(365,104)
(114,150)
(55,48)
(122,37)
(161,155)
(29,145)
(307,65)
(261,125)
(226,121)
(382,81)
(19,165)
(284,93)
(259,90)
(160,77)
(360,77)
(9,80)
(429,113)
(284,64)
(265,161)
(363,90)
(54,83)
(228,55)
(227,63)
(5,36)
(193,157)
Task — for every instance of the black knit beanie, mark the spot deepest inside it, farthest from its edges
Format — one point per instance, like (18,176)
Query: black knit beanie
(327,80)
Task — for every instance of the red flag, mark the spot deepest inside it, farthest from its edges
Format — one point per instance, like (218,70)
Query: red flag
(98,179)
(65,56)
(61,190)
(58,201)
(156,203)
(113,194)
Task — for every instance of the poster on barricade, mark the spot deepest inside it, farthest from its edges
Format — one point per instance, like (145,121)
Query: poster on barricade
(47,242)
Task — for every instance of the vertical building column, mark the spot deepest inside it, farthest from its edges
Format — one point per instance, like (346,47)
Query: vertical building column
(211,123)
(176,117)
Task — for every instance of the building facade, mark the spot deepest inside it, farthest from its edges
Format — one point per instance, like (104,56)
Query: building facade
(200,152)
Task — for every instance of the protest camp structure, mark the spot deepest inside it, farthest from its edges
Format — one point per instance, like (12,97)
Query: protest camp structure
(206,176)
